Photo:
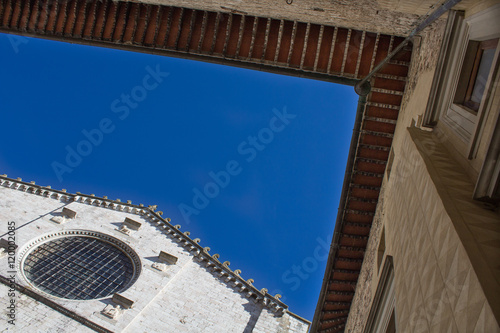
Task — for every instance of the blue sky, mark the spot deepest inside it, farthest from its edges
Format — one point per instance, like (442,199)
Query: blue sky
(250,162)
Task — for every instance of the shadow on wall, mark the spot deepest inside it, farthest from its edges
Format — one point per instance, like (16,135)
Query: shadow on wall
(255,311)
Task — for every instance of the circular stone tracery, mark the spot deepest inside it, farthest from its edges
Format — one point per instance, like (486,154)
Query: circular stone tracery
(79,267)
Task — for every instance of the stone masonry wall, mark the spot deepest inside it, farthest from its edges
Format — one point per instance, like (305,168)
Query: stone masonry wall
(36,317)
(186,297)
(437,287)
(360,14)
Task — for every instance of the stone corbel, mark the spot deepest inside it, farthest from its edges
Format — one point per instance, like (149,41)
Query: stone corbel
(6,247)
(115,310)
(164,260)
(112,311)
(129,225)
(67,214)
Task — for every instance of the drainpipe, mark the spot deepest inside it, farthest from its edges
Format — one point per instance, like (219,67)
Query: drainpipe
(430,19)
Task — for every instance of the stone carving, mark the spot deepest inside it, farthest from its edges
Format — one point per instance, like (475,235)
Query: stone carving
(159,266)
(66,215)
(58,219)
(112,311)
(164,260)
(124,230)
(129,225)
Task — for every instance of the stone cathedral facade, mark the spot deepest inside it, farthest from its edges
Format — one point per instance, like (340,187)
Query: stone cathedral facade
(86,264)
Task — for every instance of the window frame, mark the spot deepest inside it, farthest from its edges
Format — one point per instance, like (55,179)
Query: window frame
(466,124)
(469,73)
(383,308)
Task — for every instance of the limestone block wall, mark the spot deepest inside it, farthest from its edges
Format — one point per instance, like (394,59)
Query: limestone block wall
(189,296)
(360,14)
(37,317)
(421,7)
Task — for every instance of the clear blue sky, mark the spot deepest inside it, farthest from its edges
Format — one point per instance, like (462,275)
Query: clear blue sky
(250,162)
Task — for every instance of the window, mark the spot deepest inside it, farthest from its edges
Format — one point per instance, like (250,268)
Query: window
(475,72)
(381,249)
(78,268)
(488,184)
(463,101)
(463,84)
(382,317)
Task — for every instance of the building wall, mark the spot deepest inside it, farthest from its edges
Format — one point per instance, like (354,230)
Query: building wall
(361,14)
(37,318)
(188,297)
(422,7)
(441,240)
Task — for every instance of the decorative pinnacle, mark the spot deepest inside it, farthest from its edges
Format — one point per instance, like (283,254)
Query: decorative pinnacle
(277,296)
(250,281)
(153,207)
(196,240)
(177,226)
(226,264)
(187,233)
(168,219)
(216,256)
(159,212)
(206,249)
(263,290)
(237,271)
